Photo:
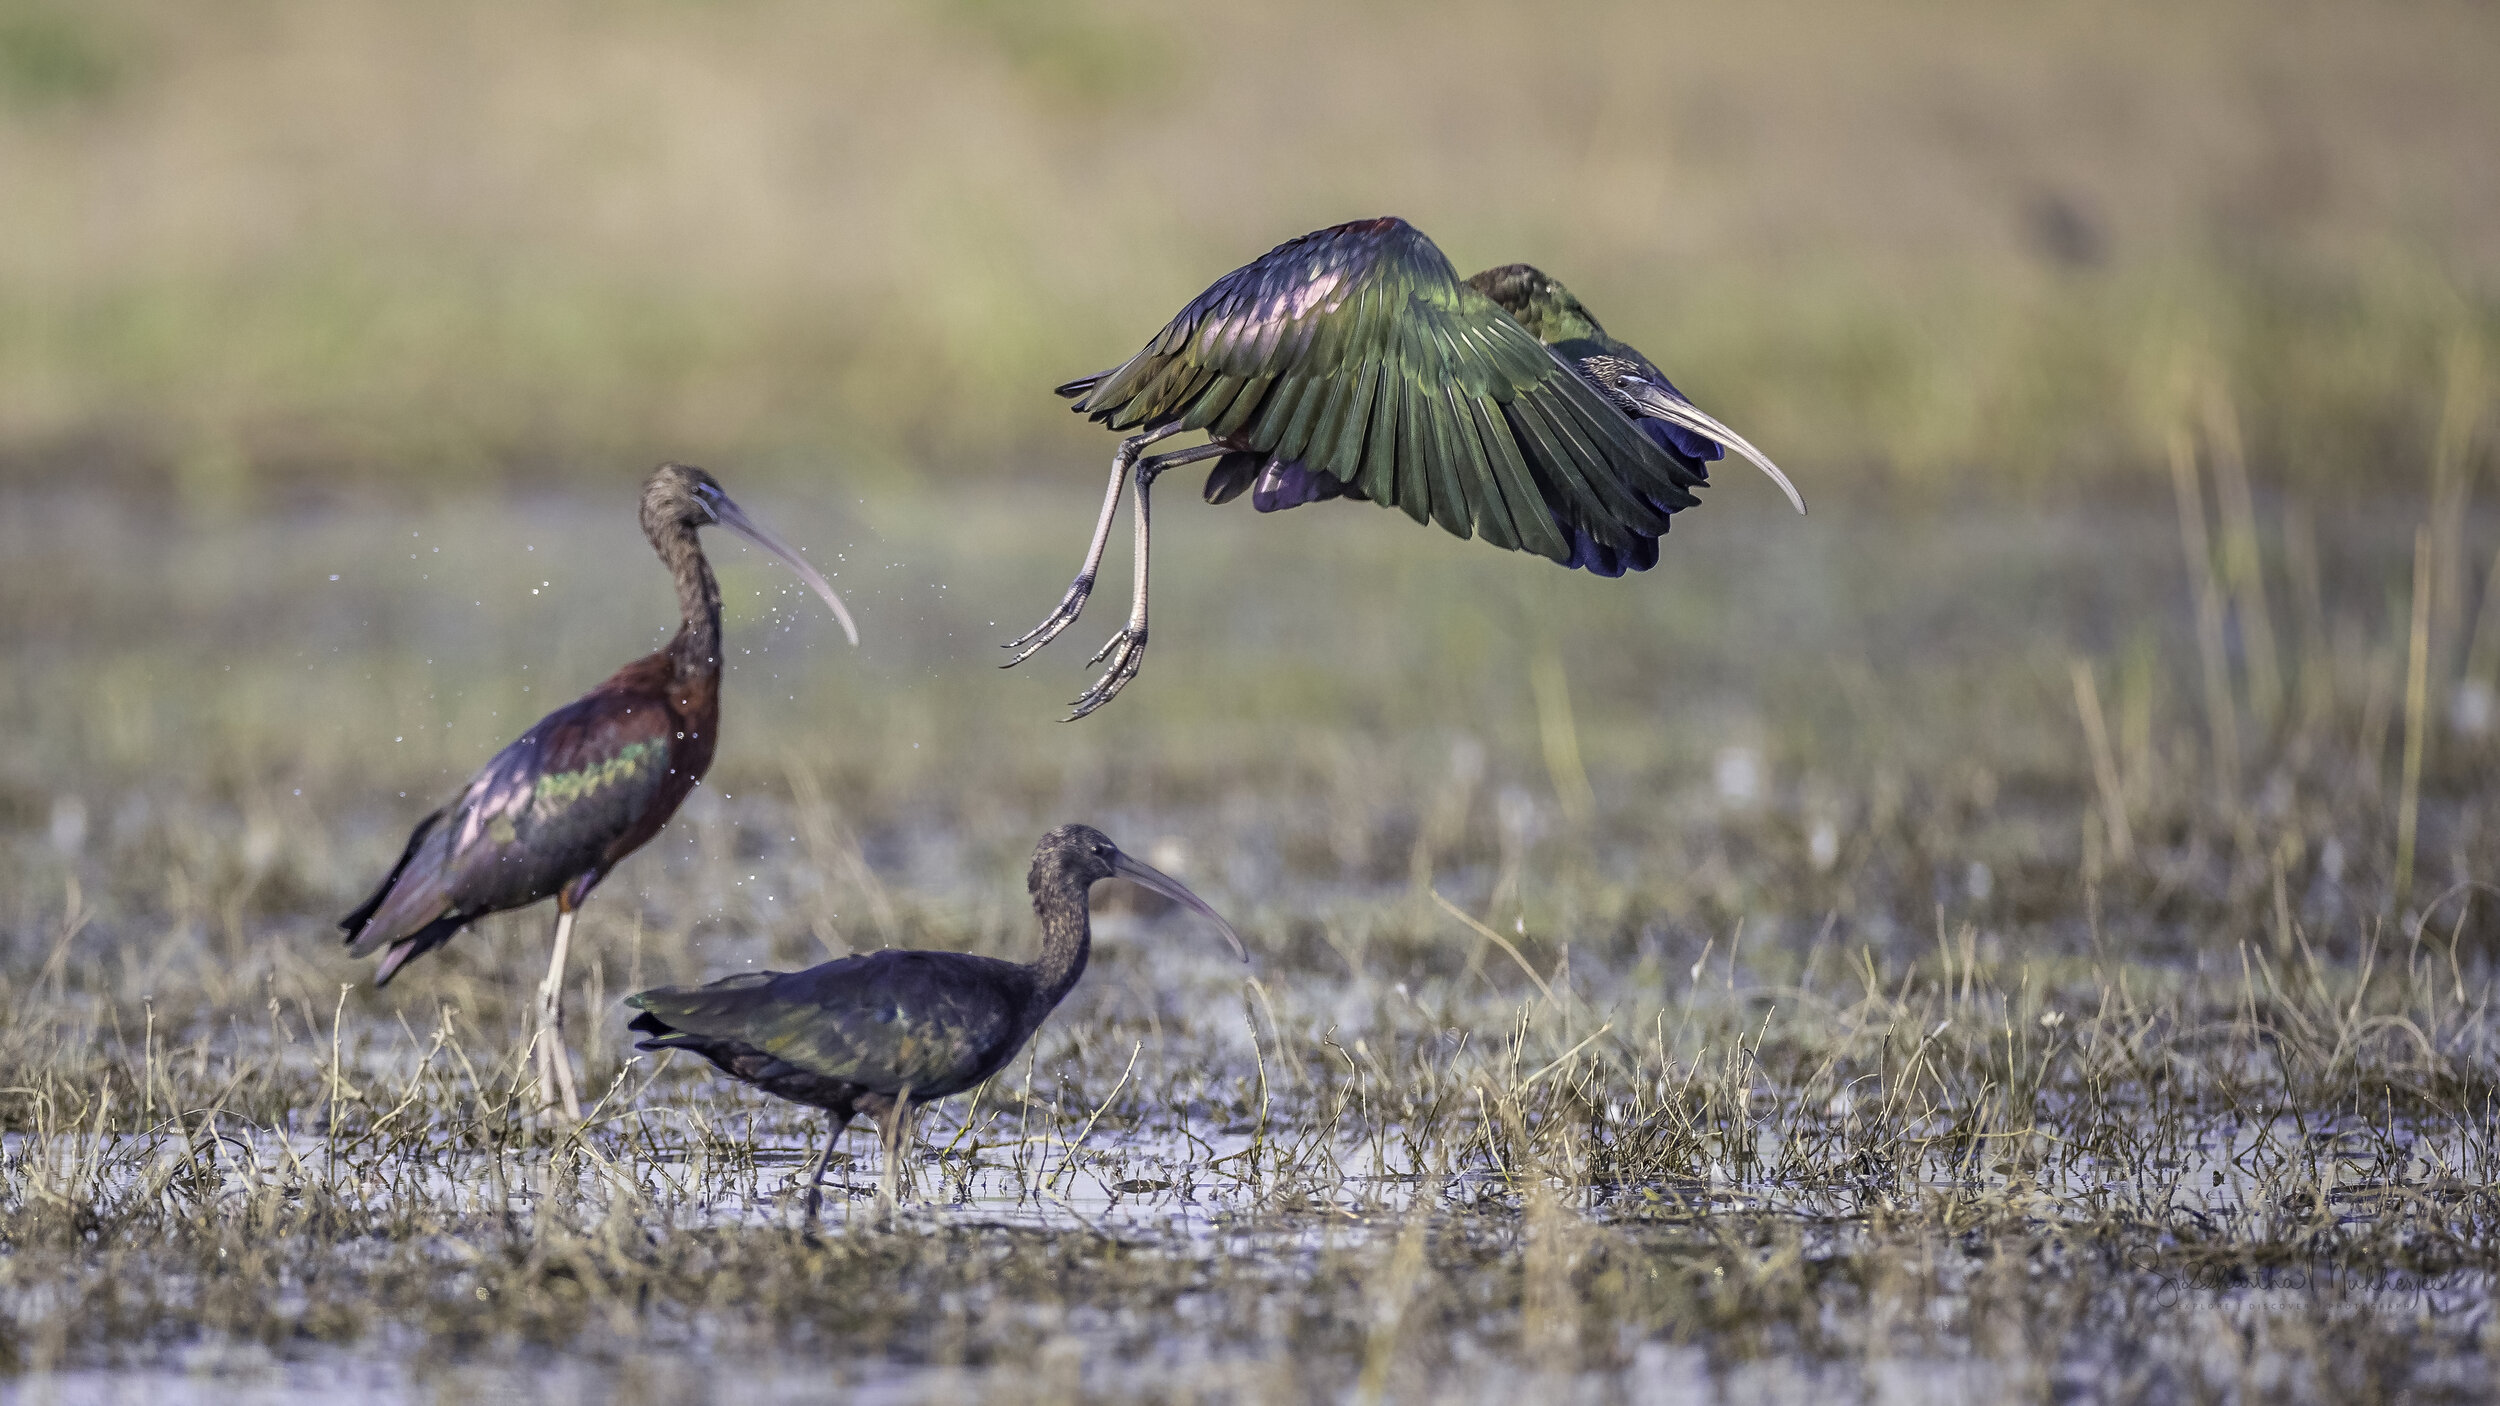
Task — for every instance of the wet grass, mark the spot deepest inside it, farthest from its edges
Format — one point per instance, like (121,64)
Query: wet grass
(2007,956)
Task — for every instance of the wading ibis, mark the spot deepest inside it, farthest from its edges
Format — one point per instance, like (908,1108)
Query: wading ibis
(1355,363)
(587,785)
(882,1032)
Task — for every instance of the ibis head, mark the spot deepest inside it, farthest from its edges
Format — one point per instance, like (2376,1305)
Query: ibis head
(1071,858)
(679,498)
(1540,303)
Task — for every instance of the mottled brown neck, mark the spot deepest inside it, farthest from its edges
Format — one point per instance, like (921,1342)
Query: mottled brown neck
(696,649)
(1067,938)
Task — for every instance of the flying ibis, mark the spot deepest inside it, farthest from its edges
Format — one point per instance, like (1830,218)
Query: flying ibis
(1355,363)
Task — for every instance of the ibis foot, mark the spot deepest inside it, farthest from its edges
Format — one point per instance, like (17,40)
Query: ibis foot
(1126,651)
(1071,605)
(824,1158)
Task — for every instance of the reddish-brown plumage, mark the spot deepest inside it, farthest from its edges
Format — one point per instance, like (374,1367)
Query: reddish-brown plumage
(591,782)
(550,815)
(679,707)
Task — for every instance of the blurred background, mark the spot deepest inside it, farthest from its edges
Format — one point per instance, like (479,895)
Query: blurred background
(268,244)
(2138,359)
(334,337)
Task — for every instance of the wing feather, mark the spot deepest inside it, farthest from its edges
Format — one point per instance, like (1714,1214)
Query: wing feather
(1344,443)
(1488,510)
(1244,406)
(1531,519)
(1277,419)
(1357,353)
(1379,479)
(1212,402)
(882,1020)
(563,800)
(1414,492)
(1602,500)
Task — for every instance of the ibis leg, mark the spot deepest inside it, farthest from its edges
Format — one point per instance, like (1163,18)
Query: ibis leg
(897,1124)
(835,1123)
(555,1065)
(1073,603)
(1127,649)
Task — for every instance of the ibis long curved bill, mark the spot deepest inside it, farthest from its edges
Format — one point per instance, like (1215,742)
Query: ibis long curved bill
(1146,876)
(1654,401)
(728,514)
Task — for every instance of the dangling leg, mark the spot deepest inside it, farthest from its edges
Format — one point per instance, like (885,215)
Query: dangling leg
(1127,649)
(1071,604)
(555,1065)
(835,1122)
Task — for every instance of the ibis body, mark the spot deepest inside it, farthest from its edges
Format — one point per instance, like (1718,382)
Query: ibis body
(553,813)
(883,1032)
(1355,363)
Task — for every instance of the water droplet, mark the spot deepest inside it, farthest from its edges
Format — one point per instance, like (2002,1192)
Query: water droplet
(1823,846)
(2471,706)
(1737,773)
(69,824)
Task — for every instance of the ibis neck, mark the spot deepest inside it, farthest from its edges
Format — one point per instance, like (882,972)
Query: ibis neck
(696,650)
(1067,938)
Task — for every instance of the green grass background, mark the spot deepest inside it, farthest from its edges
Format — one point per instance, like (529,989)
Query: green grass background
(277,241)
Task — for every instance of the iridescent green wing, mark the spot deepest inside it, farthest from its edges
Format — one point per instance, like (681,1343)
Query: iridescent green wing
(553,804)
(935,1022)
(1539,302)
(1358,352)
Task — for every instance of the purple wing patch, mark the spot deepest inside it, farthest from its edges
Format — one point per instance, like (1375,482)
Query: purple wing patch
(1285,485)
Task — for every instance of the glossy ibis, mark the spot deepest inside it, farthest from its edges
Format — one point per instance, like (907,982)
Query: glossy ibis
(883,1031)
(1355,363)
(586,785)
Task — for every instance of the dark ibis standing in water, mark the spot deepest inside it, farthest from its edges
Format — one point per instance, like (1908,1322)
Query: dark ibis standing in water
(587,785)
(882,1032)
(1355,363)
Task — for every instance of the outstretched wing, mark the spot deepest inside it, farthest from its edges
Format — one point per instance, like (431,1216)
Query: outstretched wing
(1357,354)
(568,797)
(933,1022)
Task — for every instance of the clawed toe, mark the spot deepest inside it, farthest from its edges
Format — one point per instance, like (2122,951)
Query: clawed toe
(1123,638)
(1071,605)
(1126,651)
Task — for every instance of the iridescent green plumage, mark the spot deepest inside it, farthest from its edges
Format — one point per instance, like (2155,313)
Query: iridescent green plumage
(1353,362)
(1358,353)
(1542,305)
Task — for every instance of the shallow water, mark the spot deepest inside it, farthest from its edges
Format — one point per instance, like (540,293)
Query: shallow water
(1759,1015)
